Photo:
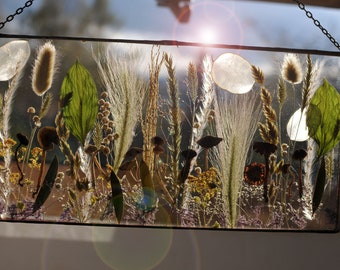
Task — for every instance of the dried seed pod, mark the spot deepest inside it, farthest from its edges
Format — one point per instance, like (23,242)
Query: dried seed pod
(157,140)
(47,136)
(43,69)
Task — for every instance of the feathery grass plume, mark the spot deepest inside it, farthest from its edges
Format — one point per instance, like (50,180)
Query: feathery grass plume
(312,147)
(291,69)
(236,121)
(125,93)
(174,116)
(8,103)
(7,107)
(149,124)
(44,69)
(307,83)
(257,74)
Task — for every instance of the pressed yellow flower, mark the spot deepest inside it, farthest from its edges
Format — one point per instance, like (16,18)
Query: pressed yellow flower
(291,69)
(9,142)
(36,152)
(43,69)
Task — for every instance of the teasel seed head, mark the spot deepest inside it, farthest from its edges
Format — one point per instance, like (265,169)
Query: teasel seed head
(291,69)
(44,69)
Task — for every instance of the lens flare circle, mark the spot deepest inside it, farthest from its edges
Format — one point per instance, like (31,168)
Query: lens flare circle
(210,22)
(132,248)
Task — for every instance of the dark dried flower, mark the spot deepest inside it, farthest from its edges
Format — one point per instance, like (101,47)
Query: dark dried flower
(209,141)
(254,173)
(47,136)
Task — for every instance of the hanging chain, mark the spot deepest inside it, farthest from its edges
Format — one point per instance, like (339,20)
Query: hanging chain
(17,12)
(318,24)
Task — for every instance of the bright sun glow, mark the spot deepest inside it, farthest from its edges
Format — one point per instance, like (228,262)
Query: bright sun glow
(207,35)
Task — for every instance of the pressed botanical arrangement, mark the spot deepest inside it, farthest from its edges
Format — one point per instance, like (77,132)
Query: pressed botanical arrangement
(131,142)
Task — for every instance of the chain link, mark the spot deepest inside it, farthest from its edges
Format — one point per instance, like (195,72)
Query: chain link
(17,12)
(318,24)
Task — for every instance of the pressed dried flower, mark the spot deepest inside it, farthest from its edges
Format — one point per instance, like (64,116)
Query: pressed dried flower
(291,69)
(43,69)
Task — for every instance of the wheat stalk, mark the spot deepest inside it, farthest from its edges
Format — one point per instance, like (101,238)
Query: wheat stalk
(257,74)
(307,83)
(149,124)
(174,117)
(269,131)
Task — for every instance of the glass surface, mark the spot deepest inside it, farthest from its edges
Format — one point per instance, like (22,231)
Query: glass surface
(131,134)
(199,136)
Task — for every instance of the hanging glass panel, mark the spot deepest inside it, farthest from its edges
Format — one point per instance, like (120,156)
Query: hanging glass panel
(165,125)
(176,136)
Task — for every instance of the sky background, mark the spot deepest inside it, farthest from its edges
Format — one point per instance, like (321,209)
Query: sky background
(231,22)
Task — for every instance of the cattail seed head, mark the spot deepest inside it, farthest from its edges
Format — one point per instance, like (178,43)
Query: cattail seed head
(291,69)
(43,69)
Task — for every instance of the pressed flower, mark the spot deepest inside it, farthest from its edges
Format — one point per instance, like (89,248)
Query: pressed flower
(291,69)
(254,173)
(43,69)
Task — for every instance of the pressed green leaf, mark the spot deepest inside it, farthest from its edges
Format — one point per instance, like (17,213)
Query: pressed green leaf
(81,110)
(117,196)
(314,119)
(149,198)
(319,185)
(323,117)
(47,185)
